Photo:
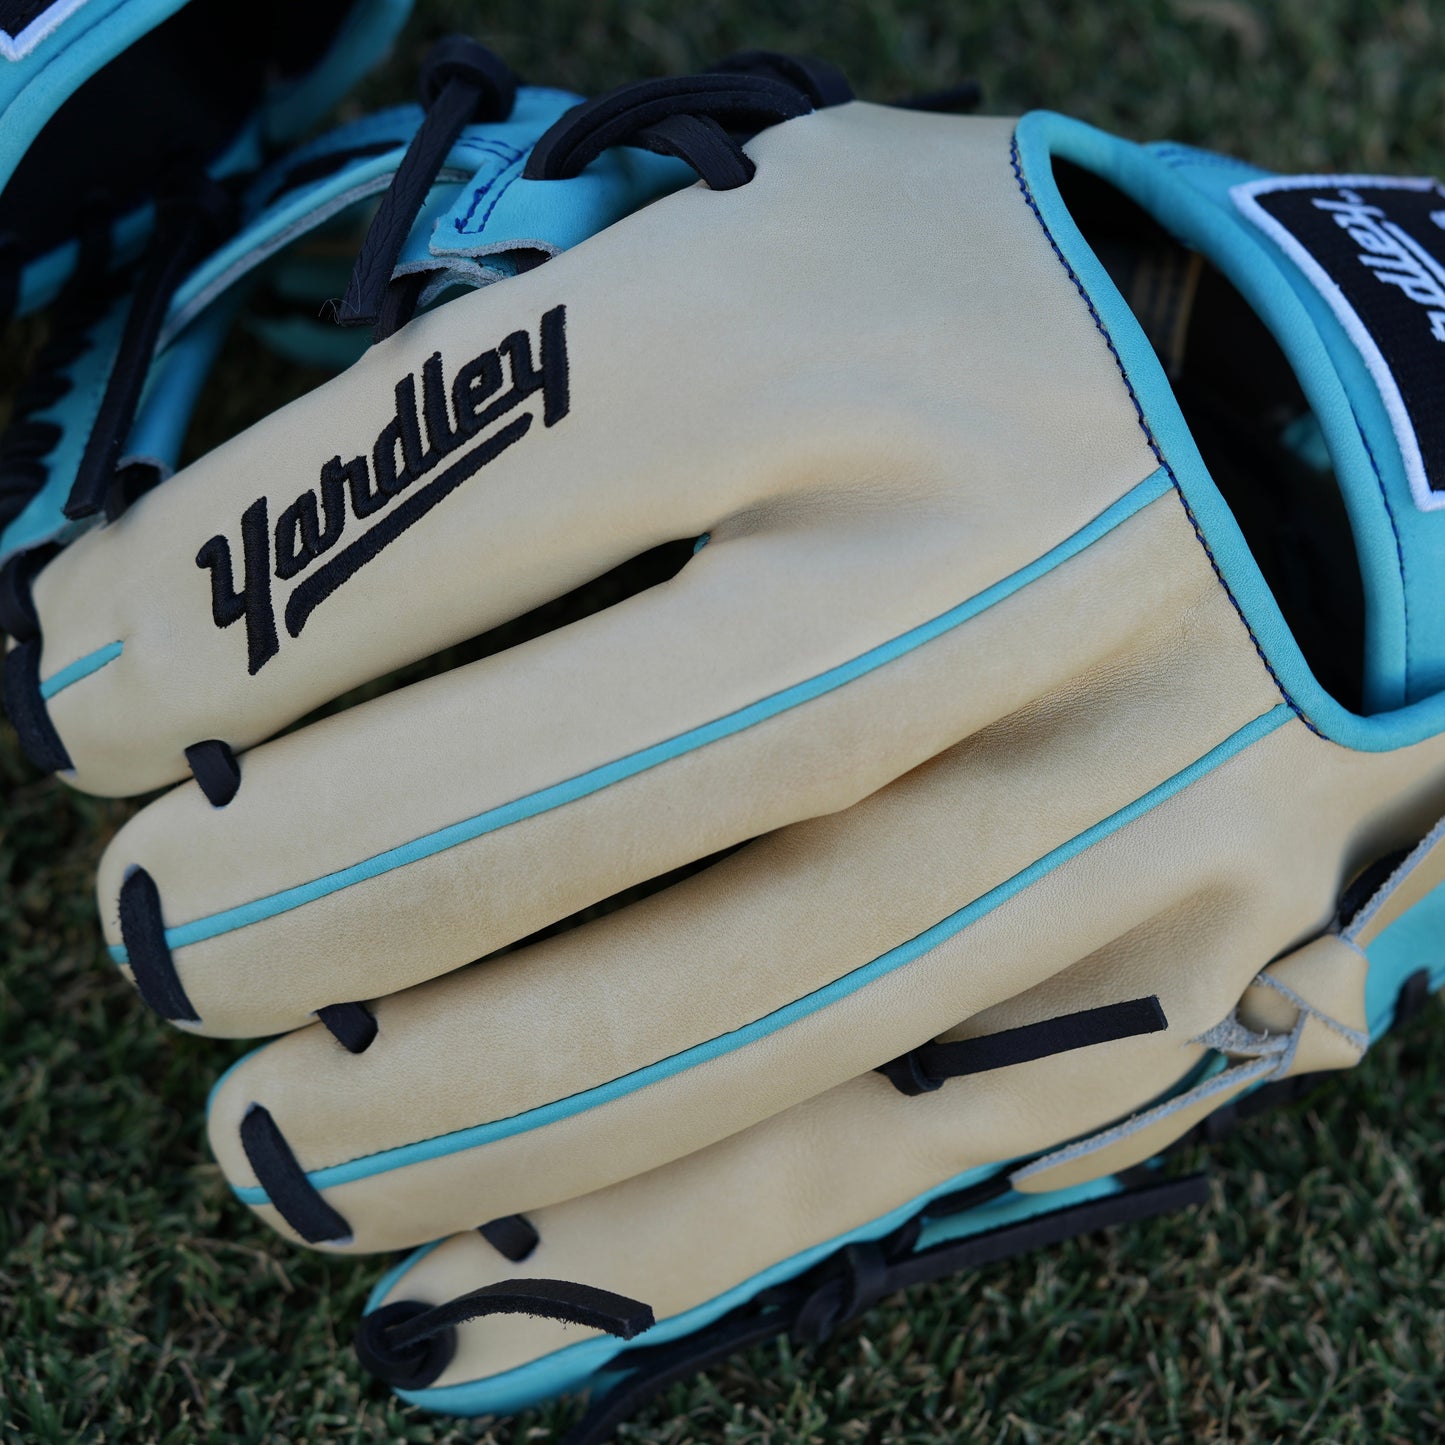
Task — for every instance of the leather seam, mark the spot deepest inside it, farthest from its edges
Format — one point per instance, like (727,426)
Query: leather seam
(1149,437)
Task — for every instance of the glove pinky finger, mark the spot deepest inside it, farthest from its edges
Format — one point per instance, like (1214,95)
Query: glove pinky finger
(784,1228)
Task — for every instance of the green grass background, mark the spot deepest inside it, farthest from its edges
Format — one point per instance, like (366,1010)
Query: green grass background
(139,1303)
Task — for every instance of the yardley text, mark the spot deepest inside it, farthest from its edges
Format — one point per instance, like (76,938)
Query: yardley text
(401,480)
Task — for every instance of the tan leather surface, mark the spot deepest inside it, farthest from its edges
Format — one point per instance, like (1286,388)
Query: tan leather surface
(1193,862)
(1050,711)
(798,1179)
(872,432)
(1329,974)
(1072,633)
(908,418)
(1114,1155)
(791,913)
(1423,871)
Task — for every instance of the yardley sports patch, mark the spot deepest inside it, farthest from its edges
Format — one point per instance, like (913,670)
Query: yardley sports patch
(1374,248)
(25,23)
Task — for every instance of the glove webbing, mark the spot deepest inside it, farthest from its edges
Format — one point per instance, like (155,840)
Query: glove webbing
(853,1281)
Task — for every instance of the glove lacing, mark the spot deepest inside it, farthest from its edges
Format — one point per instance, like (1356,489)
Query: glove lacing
(700,119)
(408,1343)
(192,214)
(29,440)
(462,83)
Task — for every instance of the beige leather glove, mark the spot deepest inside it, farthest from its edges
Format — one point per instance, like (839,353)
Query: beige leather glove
(1058,506)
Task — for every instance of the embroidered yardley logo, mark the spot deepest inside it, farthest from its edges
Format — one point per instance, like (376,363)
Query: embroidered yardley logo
(25,23)
(1373,247)
(399,482)
(1391,253)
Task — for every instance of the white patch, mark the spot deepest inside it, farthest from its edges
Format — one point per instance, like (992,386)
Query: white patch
(1439,218)
(1394,257)
(17,47)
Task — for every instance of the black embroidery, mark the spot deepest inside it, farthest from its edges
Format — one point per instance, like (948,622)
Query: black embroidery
(316,588)
(420,435)
(253,599)
(1374,247)
(307,528)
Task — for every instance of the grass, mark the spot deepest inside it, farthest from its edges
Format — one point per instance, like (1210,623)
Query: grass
(1305,1303)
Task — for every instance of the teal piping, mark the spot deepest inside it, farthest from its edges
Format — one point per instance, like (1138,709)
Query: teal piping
(81,667)
(1200,223)
(458,1140)
(584,784)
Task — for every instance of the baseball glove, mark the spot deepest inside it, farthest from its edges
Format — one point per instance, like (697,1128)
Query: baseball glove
(1016,741)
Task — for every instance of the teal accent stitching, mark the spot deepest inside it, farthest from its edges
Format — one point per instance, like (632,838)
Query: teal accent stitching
(80,668)
(477,1135)
(585,784)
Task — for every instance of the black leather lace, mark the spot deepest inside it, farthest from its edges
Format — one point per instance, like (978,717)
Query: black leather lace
(29,439)
(408,1344)
(701,119)
(462,83)
(192,213)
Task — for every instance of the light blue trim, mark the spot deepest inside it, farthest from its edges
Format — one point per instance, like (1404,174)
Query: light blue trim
(81,667)
(1413,941)
(479,1135)
(573,210)
(398,1272)
(585,784)
(42,278)
(235,1064)
(177,377)
(34,88)
(363,38)
(43,518)
(575,1366)
(1151,178)
(1011,1208)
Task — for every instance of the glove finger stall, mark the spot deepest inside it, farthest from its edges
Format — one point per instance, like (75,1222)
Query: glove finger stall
(604,1057)
(471,465)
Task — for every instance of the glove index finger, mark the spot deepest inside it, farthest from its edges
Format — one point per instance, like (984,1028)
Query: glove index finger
(516,442)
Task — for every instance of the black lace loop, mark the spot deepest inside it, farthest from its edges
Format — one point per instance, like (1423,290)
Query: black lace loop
(462,83)
(513,1236)
(704,145)
(739,104)
(408,1344)
(17,605)
(855,1280)
(924,1069)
